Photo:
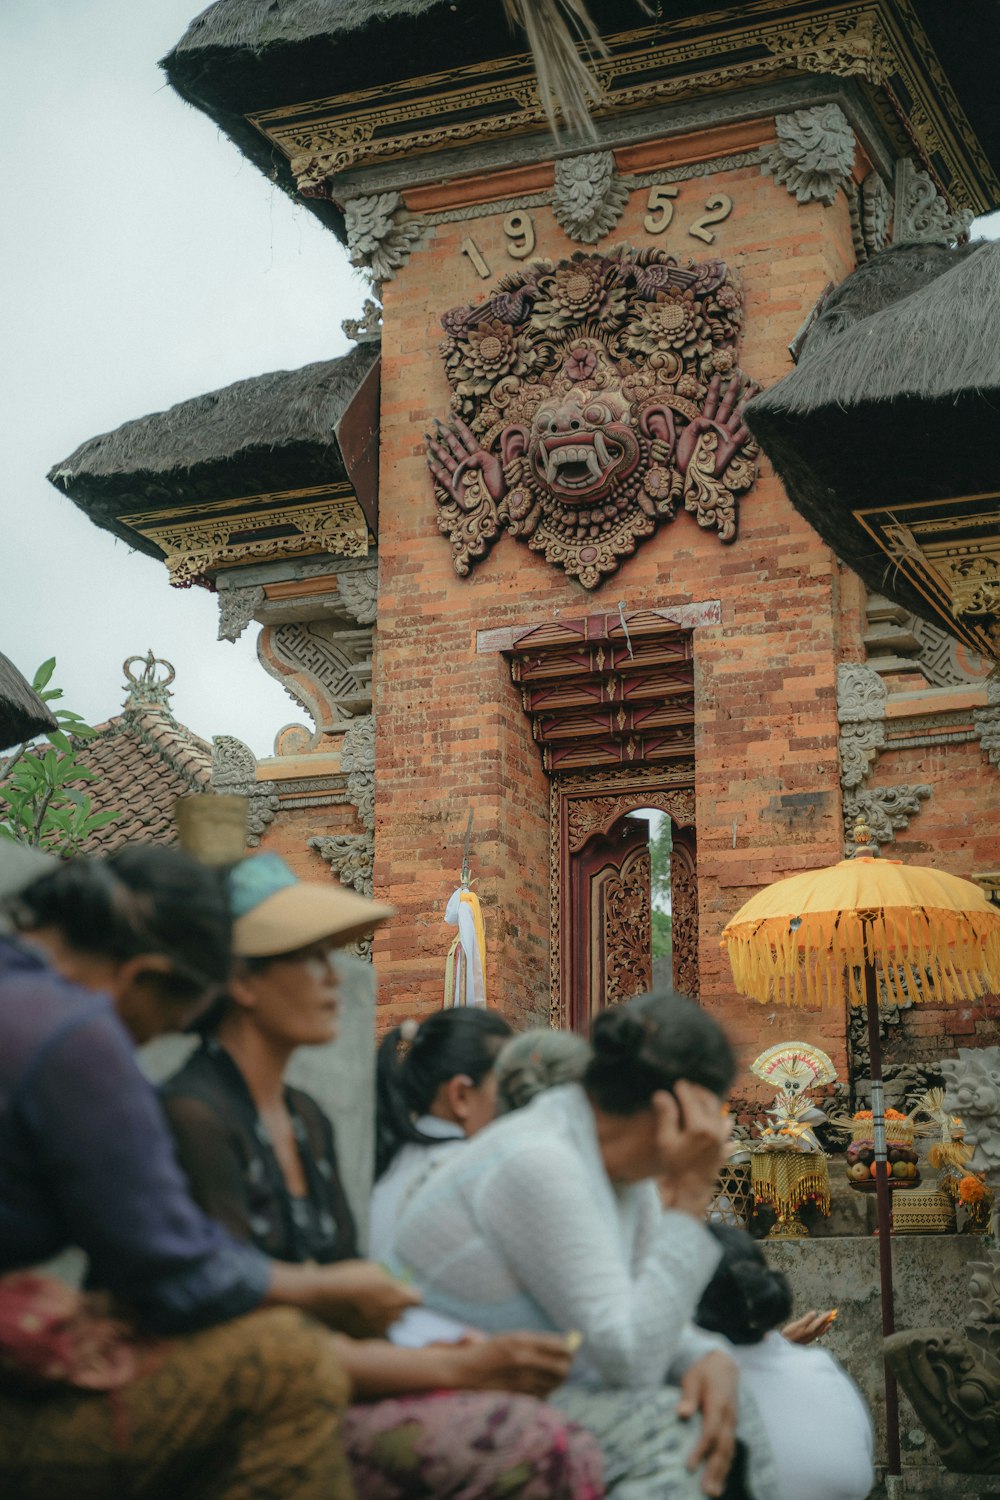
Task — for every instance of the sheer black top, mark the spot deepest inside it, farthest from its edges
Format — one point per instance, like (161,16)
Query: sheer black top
(233,1171)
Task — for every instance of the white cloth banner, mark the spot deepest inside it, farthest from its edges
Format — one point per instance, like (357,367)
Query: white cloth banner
(463,912)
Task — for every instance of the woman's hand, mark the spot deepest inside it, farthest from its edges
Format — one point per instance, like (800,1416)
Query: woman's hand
(692,1139)
(530,1364)
(354,1296)
(710,1387)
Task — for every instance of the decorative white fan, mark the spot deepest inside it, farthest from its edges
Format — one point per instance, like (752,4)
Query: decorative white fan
(794,1067)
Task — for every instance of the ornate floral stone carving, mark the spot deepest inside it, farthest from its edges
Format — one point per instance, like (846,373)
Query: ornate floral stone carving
(357,761)
(237,607)
(589,196)
(377,236)
(368,328)
(987,722)
(921,212)
(876,213)
(886,810)
(358,592)
(861,699)
(591,400)
(814,153)
(234,770)
(350,856)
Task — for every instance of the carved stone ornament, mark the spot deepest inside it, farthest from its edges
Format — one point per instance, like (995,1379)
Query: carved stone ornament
(876,213)
(954,1387)
(861,699)
(351,857)
(591,400)
(368,328)
(972,1091)
(921,212)
(886,810)
(376,236)
(814,153)
(358,592)
(324,667)
(589,196)
(357,761)
(234,770)
(237,608)
(987,722)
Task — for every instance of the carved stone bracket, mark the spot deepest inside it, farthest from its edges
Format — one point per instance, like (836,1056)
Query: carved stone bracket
(368,328)
(871,214)
(234,770)
(987,722)
(589,197)
(237,607)
(814,153)
(324,667)
(886,810)
(921,213)
(359,593)
(357,761)
(377,236)
(351,857)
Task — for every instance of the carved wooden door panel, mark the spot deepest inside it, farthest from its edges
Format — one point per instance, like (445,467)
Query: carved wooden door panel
(610,912)
(684,904)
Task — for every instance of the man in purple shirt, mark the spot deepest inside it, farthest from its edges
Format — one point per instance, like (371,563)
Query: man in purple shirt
(243,1396)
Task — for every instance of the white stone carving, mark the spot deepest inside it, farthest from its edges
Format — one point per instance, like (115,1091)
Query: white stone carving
(921,213)
(861,698)
(376,236)
(876,213)
(368,328)
(358,592)
(886,810)
(589,196)
(814,153)
(234,770)
(987,722)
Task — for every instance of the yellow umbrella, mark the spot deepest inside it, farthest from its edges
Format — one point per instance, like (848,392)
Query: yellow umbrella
(929,935)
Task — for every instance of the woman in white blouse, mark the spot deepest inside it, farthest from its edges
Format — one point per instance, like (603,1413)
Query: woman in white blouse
(585,1213)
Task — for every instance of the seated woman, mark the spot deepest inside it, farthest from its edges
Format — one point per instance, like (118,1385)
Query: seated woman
(554,1218)
(260,1156)
(816,1419)
(232,1400)
(435,1086)
(537,1060)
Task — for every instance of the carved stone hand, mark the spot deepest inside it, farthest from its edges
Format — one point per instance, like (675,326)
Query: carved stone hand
(453,450)
(722,414)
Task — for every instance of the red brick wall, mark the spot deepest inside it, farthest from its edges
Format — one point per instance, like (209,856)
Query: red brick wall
(450,731)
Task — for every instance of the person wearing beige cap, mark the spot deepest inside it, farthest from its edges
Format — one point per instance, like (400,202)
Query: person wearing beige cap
(261,1158)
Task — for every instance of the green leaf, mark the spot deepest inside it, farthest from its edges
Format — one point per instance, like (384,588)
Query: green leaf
(44,674)
(61,741)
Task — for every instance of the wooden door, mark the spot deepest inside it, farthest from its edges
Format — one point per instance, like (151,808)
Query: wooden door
(610,913)
(684,906)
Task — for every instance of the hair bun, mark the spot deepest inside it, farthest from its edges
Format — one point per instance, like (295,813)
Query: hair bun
(618,1034)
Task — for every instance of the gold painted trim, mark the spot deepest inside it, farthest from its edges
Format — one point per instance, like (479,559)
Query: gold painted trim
(878,41)
(197,539)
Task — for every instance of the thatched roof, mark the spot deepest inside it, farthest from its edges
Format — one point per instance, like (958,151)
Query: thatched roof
(896,397)
(22,712)
(242,56)
(273,432)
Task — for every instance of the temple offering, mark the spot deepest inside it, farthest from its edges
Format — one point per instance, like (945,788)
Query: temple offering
(788,1165)
(902,1158)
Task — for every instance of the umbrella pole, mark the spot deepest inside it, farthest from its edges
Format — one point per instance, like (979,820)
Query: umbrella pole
(883,1212)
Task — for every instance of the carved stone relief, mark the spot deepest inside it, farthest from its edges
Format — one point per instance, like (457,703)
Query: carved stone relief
(350,856)
(357,761)
(814,153)
(589,197)
(237,607)
(896,640)
(871,214)
(324,667)
(376,234)
(861,704)
(987,722)
(234,770)
(358,591)
(921,213)
(368,328)
(592,399)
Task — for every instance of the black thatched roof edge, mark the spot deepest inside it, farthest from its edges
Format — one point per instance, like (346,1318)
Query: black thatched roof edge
(939,340)
(23,715)
(268,433)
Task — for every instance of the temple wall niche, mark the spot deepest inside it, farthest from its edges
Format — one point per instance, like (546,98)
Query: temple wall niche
(450,731)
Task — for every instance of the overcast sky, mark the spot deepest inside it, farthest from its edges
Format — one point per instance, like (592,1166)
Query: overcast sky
(143,262)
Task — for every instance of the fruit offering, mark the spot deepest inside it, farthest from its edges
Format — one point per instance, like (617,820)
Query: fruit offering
(902,1164)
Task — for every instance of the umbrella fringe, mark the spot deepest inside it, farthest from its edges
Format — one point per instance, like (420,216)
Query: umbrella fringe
(923,957)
